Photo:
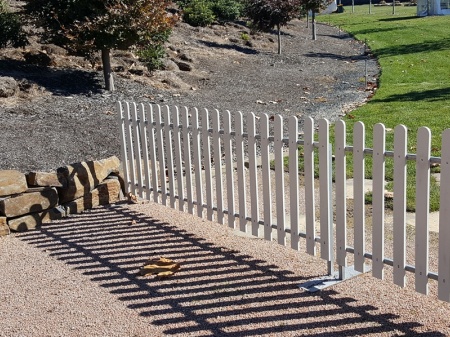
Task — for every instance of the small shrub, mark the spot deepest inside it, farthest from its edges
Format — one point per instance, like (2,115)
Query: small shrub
(245,37)
(227,10)
(153,56)
(198,13)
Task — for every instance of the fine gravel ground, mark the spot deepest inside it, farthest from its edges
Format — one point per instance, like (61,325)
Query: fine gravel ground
(66,116)
(79,277)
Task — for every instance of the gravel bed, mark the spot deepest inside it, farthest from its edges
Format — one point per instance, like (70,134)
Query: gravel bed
(71,118)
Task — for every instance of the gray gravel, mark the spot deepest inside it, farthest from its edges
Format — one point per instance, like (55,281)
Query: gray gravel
(75,119)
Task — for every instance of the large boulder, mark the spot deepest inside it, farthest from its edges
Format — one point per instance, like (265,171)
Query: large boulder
(35,220)
(4,228)
(12,182)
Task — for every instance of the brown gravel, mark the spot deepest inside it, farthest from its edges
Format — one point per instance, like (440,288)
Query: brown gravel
(78,277)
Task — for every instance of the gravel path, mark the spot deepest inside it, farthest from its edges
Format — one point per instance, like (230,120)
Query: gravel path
(77,277)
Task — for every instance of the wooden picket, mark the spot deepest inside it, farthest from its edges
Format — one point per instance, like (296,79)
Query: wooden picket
(217,165)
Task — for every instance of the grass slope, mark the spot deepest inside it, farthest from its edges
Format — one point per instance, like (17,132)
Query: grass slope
(414,86)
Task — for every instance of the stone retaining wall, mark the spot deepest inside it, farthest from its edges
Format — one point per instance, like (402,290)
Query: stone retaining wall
(29,200)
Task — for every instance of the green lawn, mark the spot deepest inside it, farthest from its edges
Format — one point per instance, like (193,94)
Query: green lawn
(414,85)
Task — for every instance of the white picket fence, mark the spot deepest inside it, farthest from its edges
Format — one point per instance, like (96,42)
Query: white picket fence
(173,156)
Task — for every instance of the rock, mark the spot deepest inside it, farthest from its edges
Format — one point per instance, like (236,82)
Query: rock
(35,220)
(38,58)
(49,179)
(53,49)
(183,66)
(85,176)
(24,223)
(29,202)
(139,70)
(12,182)
(170,65)
(8,86)
(186,57)
(172,80)
(107,192)
(4,228)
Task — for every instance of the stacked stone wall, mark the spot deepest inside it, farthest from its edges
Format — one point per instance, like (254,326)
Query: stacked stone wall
(28,200)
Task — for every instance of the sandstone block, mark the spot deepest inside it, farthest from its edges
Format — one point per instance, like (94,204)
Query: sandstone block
(29,202)
(24,223)
(51,179)
(4,228)
(107,192)
(12,182)
(85,176)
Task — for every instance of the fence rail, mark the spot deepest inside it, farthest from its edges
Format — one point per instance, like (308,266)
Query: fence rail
(231,169)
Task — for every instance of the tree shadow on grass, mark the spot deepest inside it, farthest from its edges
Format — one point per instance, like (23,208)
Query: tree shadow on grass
(217,292)
(423,47)
(442,94)
(59,81)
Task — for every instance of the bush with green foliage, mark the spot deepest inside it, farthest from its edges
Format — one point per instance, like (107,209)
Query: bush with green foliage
(227,10)
(154,53)
(198,13)
(12,34)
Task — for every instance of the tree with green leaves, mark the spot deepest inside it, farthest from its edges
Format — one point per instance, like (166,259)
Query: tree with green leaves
(87,26)
(268,14)
(314,6)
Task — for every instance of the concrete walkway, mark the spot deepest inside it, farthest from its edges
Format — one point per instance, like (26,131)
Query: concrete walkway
(433,217)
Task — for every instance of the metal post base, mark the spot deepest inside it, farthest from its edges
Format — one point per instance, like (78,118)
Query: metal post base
(324,282)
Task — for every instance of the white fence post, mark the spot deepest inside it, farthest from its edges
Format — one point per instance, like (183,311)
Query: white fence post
(178,158)
(341,194)
(359,136)
(378,200)
(279,178)
(187,160)
(422,208)
(241,171)
(444,221)
(326,221)
(400,144)
(168,149)
(294,181)
(228,145)
(161,156)
(266,179)
(217,148)
(252,167)
(144,148)
(123,145)
(152,145)
(206,147)
(310,206)
(197,163)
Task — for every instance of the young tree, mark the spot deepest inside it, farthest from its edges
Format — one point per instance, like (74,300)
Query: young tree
(268,14)
(314,6)
(86,26)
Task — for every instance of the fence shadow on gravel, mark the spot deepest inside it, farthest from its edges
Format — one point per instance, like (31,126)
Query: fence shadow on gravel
(218,291)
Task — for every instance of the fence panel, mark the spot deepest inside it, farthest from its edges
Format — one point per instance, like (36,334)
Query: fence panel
(172,157)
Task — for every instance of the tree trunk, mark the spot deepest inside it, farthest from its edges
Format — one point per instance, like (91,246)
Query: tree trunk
(313,19)
(279,39)
(107,73)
